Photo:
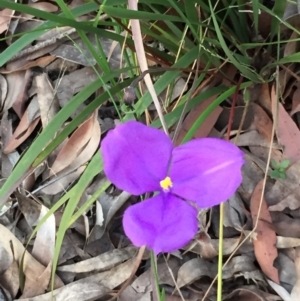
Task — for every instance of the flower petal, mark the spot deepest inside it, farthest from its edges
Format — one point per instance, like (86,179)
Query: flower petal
(136,157)
(164,223)
(206,171)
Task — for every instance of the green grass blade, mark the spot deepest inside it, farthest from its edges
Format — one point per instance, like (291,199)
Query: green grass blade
(93,168)
(245,70)
(278,11)
(118,12)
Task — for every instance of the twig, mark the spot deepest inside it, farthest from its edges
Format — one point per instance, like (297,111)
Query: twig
(140,52)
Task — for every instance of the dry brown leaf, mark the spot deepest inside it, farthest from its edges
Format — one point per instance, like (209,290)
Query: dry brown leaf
(234,213)
(290,200)
(296,100)
(90,148)
(84,155)
(130,294)
(48,102)
(29,208)
(44,243)
(202,246)
(100,263)
(249,293)
(262,122)
(75,145)
(27,124)
(287,132)
(285,193)
(39,285)
(296,289)
(72,83)
(90,288)
(76,51)
(3,89)
(195,269)
(208,248)
(44,6)
(231,72)
(263,97)
(253,138)
(240,112)
(143,285)
(287,271)
(62,183)
(27,62)
(5,16)
(8,161)
(71,246)
(284,225)
(208,124)
(241,265)
(265,239)
(109,205)
(31,267)
(10,279)
(17,92)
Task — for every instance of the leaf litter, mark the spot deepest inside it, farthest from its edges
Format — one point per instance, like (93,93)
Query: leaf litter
(96,258)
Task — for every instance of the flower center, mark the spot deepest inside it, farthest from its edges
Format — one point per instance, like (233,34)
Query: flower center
(166,184)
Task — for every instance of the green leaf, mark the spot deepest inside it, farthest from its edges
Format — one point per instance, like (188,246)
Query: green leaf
(275,174)
(285,163)
(282,175)
(274,164)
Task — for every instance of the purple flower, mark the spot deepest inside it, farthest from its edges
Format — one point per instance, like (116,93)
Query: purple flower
(141,159)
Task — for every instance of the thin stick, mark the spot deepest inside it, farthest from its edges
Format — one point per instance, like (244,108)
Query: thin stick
(140,53)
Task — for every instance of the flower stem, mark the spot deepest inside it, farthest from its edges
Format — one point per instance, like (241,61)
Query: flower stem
(156,290)
(220,258)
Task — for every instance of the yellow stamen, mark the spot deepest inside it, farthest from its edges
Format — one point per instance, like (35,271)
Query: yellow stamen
(166,184)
